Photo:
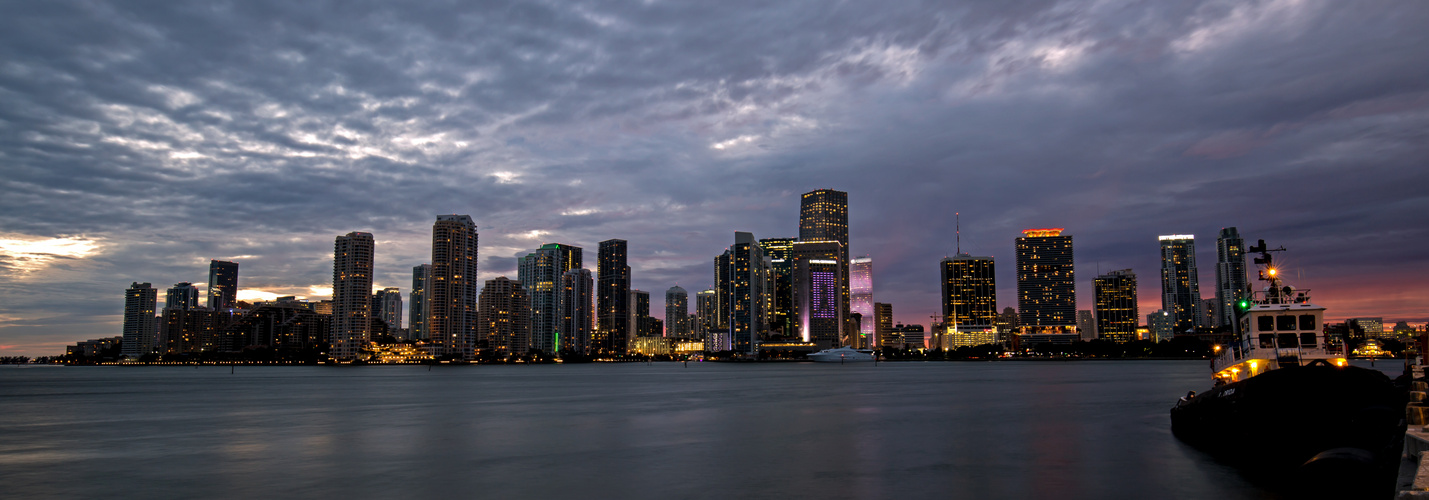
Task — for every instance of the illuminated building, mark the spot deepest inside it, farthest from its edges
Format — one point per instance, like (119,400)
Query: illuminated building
(1046,282)
(1210,313)
(577,304)
(612,299)
(182,296)
(913,336)
(719,339)
(1366,328)
(860,289)
(504,310)
(387,306)
(140,323)
(540,274)
(283,323)
(352,259)
(1161,325)
(779,299)
(452,288)
(677,312)
(1231,282)
(741,293)
(222,284)
(823,216)
(1180,291)
(399,354)
(648,345)
(883,326)
(818,293)
(94,347)
(640,324)
(969,292)
(706,310)
(417,306)
(1116,309)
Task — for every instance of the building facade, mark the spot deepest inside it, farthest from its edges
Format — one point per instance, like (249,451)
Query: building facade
(504,310)
(779,296)
(387,307)
(141,324)
(1116,308)
(577,305)
(818,294)
(969,291)
(612,299)
(540,274)
(453,287)
(1231,281)
(743,294)
(417,303)
(222,284)
(823,216)
(352,260)
(677,312)
(860,290)
(1180,290)
(1046,280)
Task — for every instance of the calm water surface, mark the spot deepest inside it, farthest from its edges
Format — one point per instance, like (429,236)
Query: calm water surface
(1064,430)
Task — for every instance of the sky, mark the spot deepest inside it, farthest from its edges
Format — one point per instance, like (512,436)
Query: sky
(139,140)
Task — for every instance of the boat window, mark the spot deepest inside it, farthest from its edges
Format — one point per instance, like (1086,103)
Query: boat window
(1267,340)
(1307,339)
(1289,340)
(1307,322)
(1264,324)
(1284,323)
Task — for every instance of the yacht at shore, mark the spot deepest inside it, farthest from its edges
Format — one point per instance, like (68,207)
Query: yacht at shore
(842,355)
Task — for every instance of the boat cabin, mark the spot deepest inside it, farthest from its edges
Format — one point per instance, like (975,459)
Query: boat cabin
(1279,327)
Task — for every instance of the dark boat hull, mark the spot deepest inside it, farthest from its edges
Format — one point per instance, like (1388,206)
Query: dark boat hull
(1325,425)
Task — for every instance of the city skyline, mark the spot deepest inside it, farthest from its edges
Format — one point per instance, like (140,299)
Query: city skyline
(140,145)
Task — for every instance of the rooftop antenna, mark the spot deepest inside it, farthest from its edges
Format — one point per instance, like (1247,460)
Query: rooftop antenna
(958,230)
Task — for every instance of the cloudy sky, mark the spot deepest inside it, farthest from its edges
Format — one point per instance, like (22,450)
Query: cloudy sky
(138,140)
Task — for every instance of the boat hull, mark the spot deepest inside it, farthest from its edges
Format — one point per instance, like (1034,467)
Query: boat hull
(1311,425)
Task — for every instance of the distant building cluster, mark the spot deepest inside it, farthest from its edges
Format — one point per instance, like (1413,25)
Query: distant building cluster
(794,294)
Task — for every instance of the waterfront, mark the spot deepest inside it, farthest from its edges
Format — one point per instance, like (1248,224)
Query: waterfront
(1089,429)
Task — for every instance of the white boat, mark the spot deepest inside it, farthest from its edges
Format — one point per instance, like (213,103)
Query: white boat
(842,355)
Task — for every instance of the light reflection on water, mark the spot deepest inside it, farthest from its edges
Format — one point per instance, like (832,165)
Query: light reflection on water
(1061,430)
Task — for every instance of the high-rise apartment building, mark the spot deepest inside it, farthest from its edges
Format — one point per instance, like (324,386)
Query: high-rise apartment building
(352,259)
(613,331)
(1231,281)
(818,294)
(1161,325)
(181,296)
(860,289)
(1046,282)
(453,286)
(742,293)
(505,318)
(677,312)
(640,324)
(779,296)
(1086,324)
(540,274)
(1116,311)
(140,324)
(222,284)
(883,326)
(969,292)
(387,306)
(417,303)
(707,310)
(823,216)
(1180,292)
(577,305)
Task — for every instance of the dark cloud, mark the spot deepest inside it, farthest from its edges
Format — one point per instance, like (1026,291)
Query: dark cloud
(258,131)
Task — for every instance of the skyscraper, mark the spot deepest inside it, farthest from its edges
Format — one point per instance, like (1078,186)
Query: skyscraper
(883,326)
(744,289)
(1116,310)
(860,291)
(452,289)
(706,310)
(1231,281)
(779,299)
(222,284)
(577,311)
(969,292)
(352,258)
(677,312)
(612,298)
(387,306)
(818,294)
(417,303)
(181,296)
(540,274)
(823,216)
(1046,282)
(640,325)
(505,317)
(140,325)
(1180,292)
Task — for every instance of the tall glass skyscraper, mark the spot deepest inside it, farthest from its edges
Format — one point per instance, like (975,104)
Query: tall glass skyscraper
(779,298)
(540,275)
(969,291)
(452,287)
(140,324)
(612,299)
(818,294)
(823,216)
(1046,282)
(677,312)
(417,303)
(860,289)
(1231,282)
(222,284)
(352,259)
(577,304)
(1116,310)
(1180,290)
